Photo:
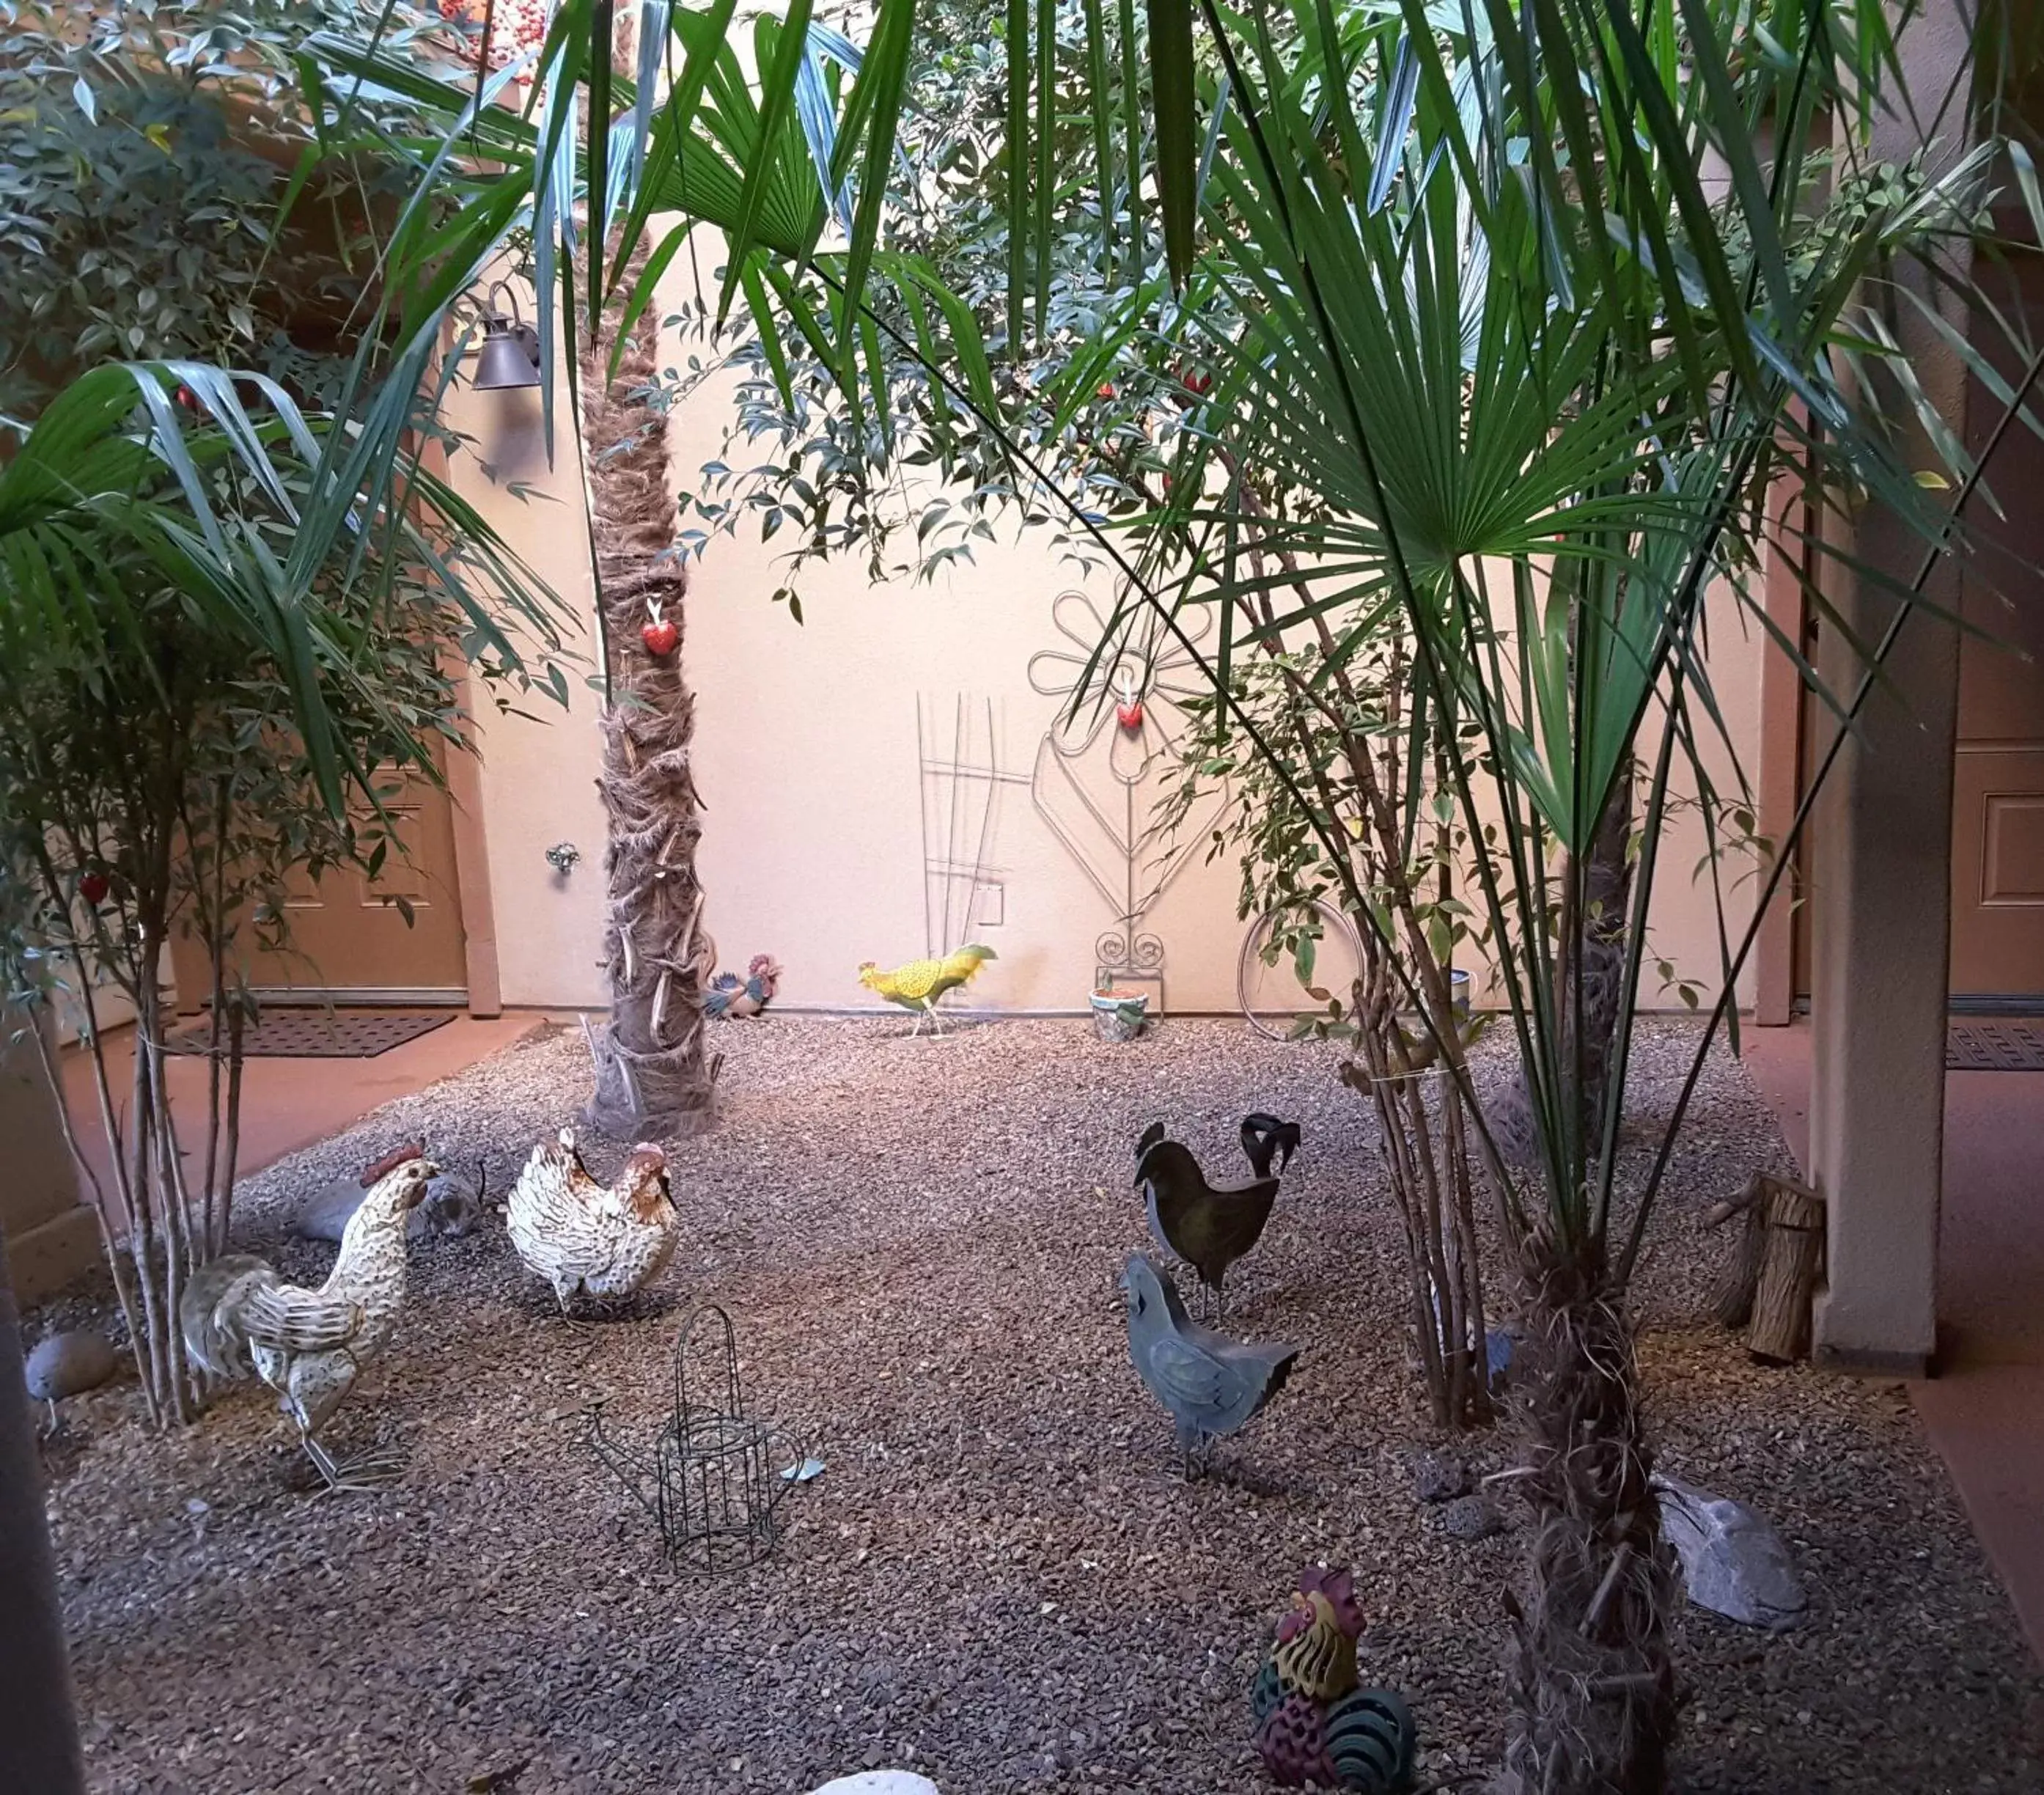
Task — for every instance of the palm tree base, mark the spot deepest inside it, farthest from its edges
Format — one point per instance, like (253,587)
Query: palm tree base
(1592,1677)
(667,1095)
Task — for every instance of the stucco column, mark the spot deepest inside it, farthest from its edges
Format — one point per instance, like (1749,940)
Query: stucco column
(1881,877)
(38,1724)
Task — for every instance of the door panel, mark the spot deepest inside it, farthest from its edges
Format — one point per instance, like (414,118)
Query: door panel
(1998,869)
(1998,769)
(347,934)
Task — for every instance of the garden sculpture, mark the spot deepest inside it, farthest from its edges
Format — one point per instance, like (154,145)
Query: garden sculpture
(730,996)
(581,1236)
(1208,1226)
(239,1316)
(1212,1385)
(1266,1141)
(1313,1724)
(921,983)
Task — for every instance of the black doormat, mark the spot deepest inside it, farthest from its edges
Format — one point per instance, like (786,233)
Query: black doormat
(321,1034)
(1995,1046)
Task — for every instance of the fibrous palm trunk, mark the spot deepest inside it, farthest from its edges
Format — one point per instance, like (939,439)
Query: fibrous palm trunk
(1592,1681)
(653,1077)
(1592,984)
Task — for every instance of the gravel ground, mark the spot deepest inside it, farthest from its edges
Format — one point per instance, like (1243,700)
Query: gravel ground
(1001,1579)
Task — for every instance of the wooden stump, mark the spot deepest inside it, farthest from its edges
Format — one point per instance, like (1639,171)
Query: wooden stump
(1767,1286)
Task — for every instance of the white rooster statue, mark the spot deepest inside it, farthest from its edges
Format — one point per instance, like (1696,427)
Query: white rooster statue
(240,1317)
(582,1237)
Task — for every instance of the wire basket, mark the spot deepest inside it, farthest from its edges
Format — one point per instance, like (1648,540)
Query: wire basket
(717,1479)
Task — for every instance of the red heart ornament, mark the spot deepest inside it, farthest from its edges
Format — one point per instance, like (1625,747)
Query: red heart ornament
(1128,714)
(93,887)
(661,638)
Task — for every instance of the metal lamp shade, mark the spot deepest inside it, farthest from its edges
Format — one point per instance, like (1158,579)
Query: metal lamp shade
(509,356)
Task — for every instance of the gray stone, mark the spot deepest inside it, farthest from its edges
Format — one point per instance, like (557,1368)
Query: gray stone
(65,1364)
(1501,1353)
(324,1215)
(1733,1562)
(879,1783)
(1471,1517)
(1439,1477)
(450,1208)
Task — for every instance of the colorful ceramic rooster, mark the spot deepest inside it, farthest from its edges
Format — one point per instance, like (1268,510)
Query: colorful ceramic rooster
(1313,1724)
(730,996)
(918,985)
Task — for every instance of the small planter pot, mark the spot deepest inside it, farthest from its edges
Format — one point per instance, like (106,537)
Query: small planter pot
(1119,1016)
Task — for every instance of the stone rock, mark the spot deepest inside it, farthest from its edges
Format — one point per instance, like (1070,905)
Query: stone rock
(1733,1562)
(450,1208)
(879,1783)
(324,1214)
(67,1364)
(1471,1517)
(1500,1349)
(1439,1477)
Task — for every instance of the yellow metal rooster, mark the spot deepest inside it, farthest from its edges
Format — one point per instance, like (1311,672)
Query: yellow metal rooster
(581,1236)
(918,985)
(238,1315)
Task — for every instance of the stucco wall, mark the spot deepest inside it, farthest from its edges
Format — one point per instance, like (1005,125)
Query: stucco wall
(807,753)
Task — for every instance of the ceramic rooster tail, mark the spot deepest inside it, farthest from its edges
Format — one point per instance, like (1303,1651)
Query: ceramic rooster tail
(1313,1724)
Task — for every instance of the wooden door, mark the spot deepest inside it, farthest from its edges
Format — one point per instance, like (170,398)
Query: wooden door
(350,940)
(1998,767)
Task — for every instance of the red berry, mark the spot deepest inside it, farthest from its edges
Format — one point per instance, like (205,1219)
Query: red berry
(661,638)
(93,887)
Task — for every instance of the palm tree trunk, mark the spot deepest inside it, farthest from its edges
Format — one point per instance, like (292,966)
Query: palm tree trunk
(1592,1680)
(653,1078)
(1593,955)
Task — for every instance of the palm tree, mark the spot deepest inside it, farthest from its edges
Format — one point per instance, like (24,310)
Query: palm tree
(653,1073)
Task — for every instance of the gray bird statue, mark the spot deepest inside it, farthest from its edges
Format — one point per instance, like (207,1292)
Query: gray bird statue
(1208,1226)
(1212,1385)
(1266,1141)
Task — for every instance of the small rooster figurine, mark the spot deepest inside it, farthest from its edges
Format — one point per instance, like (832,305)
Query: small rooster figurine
(579,1235)
(1313,1724)
(730,996)
(238,1316)
(918,985)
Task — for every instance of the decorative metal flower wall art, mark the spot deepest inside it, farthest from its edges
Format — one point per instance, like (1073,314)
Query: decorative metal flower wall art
(1110,757)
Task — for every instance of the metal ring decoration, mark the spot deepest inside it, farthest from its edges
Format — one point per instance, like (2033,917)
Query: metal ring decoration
(1334,926)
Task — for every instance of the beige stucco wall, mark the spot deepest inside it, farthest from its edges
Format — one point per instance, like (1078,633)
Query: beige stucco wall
(807,751)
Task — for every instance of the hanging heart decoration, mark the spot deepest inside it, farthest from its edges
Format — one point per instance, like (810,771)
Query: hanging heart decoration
(1128,706)
(660,634)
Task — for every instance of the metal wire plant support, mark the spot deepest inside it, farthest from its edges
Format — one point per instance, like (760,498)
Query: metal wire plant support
(717,1478)
(1119,737)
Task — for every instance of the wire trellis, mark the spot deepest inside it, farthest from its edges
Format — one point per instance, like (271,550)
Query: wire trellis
(960,803)
(717,1478)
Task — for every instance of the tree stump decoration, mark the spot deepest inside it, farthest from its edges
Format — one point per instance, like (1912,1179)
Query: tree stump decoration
(1767,1286)
(653,1077)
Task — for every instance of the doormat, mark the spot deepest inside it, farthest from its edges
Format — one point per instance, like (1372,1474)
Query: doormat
(321,1034)
(1995,1046)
